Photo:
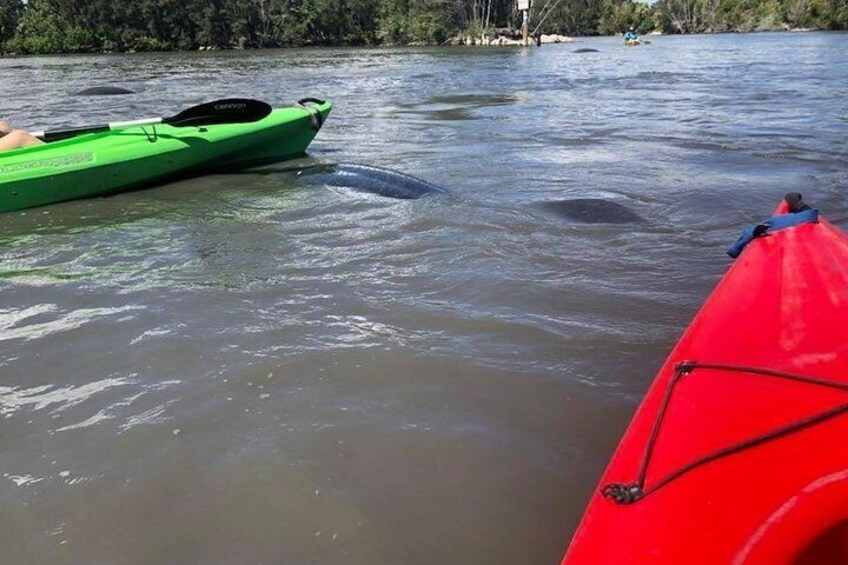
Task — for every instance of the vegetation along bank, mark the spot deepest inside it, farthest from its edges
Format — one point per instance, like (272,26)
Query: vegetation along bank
(67,26)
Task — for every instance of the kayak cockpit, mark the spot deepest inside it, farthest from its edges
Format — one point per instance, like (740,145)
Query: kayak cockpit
(829,547)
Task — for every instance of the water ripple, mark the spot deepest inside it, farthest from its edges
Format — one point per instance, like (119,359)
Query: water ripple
(12,328)
(14,399)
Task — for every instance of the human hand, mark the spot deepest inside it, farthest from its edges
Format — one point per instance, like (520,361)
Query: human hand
(4,128)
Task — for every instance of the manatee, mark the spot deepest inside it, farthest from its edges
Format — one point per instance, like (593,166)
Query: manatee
(383,182)
(103,91)
(593,211)
(586,50)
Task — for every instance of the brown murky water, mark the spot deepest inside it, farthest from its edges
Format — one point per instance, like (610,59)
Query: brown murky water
(248,368)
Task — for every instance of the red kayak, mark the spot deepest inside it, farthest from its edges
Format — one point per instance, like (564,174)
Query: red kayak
(739,451)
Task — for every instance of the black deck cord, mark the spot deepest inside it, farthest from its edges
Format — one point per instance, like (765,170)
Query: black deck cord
(628,493)
(317,120)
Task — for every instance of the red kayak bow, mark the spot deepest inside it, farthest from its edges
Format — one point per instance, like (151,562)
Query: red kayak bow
(739,451)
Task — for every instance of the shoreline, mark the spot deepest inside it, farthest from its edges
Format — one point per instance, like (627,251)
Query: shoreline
(460,40)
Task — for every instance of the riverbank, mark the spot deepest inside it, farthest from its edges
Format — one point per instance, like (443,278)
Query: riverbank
(495,40)
(43,27)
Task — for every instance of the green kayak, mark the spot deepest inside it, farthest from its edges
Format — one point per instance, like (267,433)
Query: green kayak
(97,164)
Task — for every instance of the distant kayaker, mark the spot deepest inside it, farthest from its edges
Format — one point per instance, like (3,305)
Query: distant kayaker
(631,35)
(15,138)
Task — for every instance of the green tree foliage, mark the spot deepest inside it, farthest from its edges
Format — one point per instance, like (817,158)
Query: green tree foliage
(10,13)
(571,17)
(698,16)
(416,21)
(41,29)
(619,15)
(55,26)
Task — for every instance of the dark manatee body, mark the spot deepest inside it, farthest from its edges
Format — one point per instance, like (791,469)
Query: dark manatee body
(586,50)
(592,211)
(103,91)
(375,180)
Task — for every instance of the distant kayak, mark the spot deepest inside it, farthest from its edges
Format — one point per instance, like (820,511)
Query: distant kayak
(107,162)
(737,454)
(632,42)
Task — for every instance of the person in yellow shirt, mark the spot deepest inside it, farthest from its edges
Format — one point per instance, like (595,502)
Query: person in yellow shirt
(15,138)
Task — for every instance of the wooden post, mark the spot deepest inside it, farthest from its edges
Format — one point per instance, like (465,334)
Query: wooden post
(524,29)
(524,7)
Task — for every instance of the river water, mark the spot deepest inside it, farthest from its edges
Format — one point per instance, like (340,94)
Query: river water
(246,368)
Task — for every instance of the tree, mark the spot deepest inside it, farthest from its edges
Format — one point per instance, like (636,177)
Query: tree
(40,30)
(10,13)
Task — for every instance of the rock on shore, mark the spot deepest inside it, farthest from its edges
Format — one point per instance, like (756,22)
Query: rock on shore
(554,38)
(502,39)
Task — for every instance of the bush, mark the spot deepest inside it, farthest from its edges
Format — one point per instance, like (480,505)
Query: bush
(40,30)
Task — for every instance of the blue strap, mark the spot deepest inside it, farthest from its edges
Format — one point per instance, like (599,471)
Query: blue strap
(772,224)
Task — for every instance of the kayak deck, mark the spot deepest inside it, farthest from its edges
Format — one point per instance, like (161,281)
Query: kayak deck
(106,163)
(728,462)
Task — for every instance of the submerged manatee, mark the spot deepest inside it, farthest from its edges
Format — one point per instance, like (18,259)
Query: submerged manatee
(586,50)
(103,91)
(375,180)
(593,211)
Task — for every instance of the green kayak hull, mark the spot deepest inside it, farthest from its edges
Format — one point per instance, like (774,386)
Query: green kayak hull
(106,163)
